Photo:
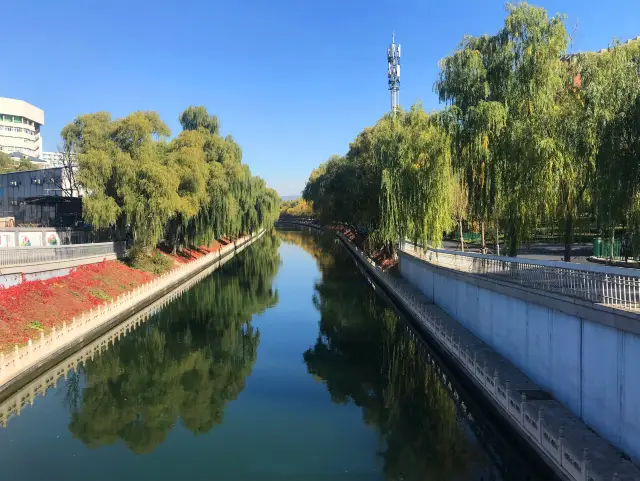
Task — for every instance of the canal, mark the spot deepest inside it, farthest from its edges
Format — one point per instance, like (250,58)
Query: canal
(284,364)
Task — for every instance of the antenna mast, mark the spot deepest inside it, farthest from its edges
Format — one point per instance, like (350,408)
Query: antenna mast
(393,72)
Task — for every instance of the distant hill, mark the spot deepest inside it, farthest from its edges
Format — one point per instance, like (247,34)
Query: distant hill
(291,197)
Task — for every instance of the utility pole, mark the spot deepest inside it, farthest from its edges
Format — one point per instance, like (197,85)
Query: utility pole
(393,71)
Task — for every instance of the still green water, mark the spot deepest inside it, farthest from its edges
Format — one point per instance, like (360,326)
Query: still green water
(284,364)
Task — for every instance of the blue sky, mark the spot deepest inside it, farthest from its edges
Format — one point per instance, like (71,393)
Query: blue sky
(292,80)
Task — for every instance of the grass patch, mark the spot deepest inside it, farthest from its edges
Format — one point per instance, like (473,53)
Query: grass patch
(75,294)
(149,262)
(36,325)
(100,294)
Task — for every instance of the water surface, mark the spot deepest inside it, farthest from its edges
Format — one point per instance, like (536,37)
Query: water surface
(283,364)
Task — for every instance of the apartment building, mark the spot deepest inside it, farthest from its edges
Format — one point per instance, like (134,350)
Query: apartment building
(20,124)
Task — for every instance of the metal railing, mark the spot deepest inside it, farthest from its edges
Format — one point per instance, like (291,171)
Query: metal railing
(619,287)
(15,256)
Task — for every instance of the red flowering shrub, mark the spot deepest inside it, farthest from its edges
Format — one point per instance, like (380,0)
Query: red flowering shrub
(188,255)
(380,257)
(31,307)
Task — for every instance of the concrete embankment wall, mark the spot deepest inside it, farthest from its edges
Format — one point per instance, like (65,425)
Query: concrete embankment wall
(587,360)
(47,270)
(24,264)
(14,398)
(24,364)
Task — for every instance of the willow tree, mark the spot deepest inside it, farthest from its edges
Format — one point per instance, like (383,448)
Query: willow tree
(486,123)
(506,87)
(611,94)
(332,189)
(395,181)
(475,123)
(527,75)
(187,191)
(187,160)
(123,170)
(576,130)
(220,195)
(197,117)
(417,178)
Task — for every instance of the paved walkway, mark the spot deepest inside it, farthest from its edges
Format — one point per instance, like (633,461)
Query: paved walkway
(541,252)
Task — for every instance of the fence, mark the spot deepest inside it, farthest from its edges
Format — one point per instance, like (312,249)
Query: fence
(21,358)
(612,286)
(48,236)
(36,255)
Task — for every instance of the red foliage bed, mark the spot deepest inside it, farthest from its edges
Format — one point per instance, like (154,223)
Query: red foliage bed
(31,307)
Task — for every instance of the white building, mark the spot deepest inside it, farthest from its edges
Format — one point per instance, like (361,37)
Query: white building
(20,124)
(55,159)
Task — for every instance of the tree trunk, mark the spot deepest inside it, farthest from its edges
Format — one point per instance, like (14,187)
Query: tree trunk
(613,237)
(513,240)
(497,237)
(176,238)
(461,236)
(484,245)
(120,229)
(568,235)
(390,250)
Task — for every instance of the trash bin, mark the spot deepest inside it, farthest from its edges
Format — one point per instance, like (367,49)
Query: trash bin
(611,250)
(597,247)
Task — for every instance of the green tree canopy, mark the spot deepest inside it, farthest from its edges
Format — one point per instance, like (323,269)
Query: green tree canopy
(190,190)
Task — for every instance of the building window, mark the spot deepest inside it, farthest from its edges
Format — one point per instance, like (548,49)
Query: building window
(9,129)
(17,119)
(17,129)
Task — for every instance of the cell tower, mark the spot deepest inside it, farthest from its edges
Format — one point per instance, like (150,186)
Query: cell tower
(393,71)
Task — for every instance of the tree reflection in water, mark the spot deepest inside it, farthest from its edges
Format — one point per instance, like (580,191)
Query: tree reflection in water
(365,355)
(187,363)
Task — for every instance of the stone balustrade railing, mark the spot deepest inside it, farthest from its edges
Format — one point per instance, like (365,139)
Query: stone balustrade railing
(18,400)
(37,350)
(612,286)
(572,459)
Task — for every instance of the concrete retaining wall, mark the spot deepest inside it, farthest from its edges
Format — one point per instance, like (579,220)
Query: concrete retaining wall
(39,271)
(24,363)
(587,365)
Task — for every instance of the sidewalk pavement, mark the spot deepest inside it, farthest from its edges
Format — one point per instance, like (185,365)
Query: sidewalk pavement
(540,252)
